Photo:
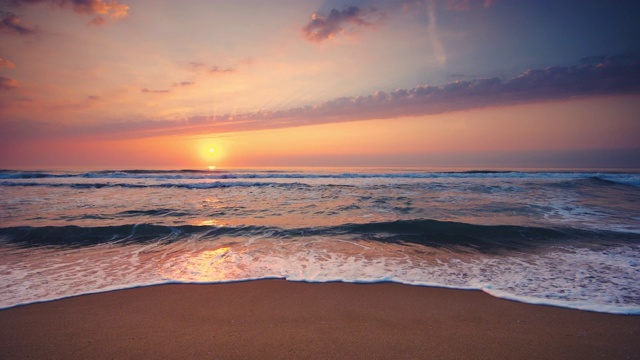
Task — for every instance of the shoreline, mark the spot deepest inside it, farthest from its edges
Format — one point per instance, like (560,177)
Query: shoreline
(282,319)
(492,293)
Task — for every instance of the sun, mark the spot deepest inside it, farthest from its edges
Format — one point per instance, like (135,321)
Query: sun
(209,153)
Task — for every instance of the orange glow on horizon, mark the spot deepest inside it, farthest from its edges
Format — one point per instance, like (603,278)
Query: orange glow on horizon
(551,126)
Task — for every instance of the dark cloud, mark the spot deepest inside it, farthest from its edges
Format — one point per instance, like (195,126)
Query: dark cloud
(12,24)
(93,98)
(7,83)
(183,84)
(321,28)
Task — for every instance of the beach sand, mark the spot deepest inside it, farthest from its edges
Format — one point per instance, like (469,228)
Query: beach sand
(279,319)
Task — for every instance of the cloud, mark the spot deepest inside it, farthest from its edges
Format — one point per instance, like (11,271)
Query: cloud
(432,21)
(4,63)
(321,28)
(614,75)
(93,98)
(109,8)
(97,21)
(145,90)
(7,83)
(214,69)
(200,68)
(112,8)
(164,91)
(618,74)
(11,24)
(217,69)
(441,56)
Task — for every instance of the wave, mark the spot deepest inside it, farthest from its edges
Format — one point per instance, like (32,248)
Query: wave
(431,233)
(600,180)
(204,185)
(153,212)
(579,269)
(623,178)
(5,174)
(593,182)
(603,180)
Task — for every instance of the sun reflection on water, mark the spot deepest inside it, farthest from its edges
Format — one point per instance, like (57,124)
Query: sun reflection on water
(206,266)
(209,222)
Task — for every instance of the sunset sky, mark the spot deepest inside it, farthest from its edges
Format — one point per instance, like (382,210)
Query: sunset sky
(474,83)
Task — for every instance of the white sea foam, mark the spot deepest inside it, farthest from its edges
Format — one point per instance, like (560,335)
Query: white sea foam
(579,278)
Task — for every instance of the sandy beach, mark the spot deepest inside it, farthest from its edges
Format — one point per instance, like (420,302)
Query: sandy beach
(280,319)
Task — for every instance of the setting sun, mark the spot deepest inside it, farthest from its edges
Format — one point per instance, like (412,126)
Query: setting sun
(207,153)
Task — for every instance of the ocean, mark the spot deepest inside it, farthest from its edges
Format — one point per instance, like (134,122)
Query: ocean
(561,238)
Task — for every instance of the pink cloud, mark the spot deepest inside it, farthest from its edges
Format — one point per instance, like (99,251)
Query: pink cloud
(10,23)
(7,83)
(4,63)
(109,8)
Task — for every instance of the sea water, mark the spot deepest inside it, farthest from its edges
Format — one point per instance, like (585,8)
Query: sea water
(563,238)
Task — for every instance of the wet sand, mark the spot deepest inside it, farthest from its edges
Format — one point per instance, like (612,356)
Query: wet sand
(279,319)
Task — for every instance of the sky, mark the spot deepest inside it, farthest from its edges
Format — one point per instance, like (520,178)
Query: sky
(424,83)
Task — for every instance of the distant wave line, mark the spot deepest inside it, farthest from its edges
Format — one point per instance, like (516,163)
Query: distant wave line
(207,185)
(262,180)
(630,178)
